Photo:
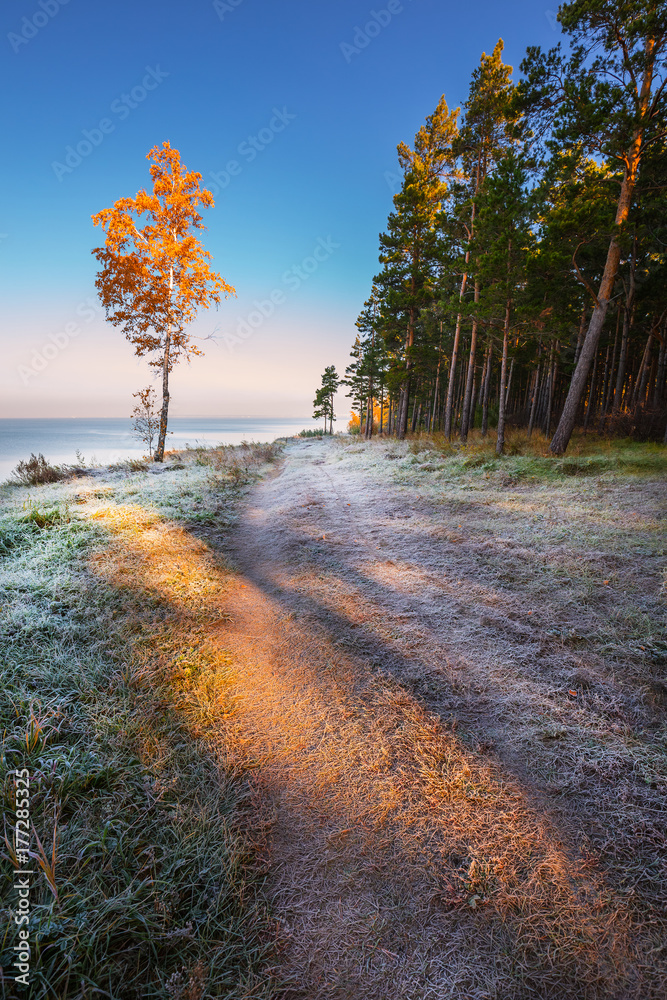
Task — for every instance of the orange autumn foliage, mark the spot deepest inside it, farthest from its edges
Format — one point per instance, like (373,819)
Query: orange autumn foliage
(156,276)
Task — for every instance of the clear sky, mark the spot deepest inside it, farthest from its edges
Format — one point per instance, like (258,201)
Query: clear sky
(305,99)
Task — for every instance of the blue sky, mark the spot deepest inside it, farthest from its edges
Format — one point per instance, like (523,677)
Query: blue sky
(276,89)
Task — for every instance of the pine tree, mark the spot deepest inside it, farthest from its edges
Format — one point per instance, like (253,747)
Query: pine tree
(486,134)
(505,233)
(410,250)
(324,398)
(614,104)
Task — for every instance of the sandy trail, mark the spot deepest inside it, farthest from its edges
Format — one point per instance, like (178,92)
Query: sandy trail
(410,852)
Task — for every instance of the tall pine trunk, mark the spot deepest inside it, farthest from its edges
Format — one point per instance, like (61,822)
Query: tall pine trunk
(591,396)
(658,392)
(607,398)
(457,332)
(563,433)
(533,401)
(500,441)
(465,416)
(487,391)
(642,374)
(452,369)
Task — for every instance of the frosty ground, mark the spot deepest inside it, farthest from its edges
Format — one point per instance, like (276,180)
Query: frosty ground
(433,686)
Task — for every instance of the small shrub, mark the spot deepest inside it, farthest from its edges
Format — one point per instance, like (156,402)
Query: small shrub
(37,471)
(310,434)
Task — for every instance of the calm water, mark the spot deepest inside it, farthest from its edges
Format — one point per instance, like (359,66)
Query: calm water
(106,440)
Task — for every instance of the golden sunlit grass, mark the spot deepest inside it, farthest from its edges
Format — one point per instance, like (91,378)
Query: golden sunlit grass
(381,800)
(111,698)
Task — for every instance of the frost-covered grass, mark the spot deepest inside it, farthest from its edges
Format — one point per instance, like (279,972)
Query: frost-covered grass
(562,563)
(144,882)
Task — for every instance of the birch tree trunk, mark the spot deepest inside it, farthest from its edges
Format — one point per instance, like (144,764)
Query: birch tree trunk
(166,360)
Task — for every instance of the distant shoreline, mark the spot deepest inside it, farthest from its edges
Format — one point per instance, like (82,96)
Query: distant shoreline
(107,440)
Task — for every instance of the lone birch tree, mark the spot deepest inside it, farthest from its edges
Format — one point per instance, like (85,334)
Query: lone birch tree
(155,277)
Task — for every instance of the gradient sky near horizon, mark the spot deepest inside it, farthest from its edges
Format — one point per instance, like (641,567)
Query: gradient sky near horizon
(310,128)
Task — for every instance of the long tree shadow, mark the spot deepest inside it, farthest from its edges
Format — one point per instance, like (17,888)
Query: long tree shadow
(437,673)
(459,799)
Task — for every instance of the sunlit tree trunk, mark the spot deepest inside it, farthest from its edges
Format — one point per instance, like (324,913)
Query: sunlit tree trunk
(568,418)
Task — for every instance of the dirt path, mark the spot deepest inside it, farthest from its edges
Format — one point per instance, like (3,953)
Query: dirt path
(396,702)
